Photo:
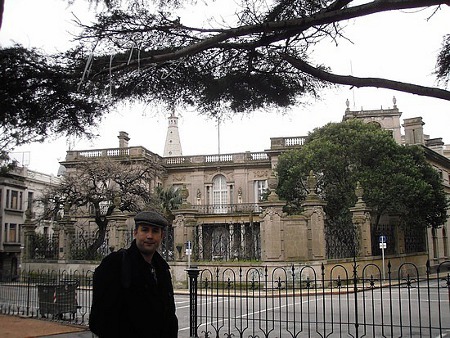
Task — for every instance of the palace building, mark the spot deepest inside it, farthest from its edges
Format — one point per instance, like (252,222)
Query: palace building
(230,212)
(223,207)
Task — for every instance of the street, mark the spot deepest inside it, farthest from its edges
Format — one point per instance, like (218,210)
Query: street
(399,311)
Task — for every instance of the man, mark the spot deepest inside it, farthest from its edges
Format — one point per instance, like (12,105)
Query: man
(132,288)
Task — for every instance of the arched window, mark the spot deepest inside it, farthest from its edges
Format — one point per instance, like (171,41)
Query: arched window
(219,194)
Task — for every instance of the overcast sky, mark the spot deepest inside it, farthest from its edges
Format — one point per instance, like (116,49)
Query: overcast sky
(399,46)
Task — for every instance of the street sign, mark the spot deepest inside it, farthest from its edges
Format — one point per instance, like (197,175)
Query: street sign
(382,239)
(189,252)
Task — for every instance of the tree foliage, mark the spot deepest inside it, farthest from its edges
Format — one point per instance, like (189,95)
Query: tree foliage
(148,50)
(397,180)
(40,97)
(258,60)
(97,188)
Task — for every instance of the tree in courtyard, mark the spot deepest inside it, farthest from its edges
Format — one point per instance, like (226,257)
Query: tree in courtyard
(169,200)
(147,50)
(396,179)
(92,191)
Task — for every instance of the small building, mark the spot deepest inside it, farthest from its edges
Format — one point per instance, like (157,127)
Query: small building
(18,190)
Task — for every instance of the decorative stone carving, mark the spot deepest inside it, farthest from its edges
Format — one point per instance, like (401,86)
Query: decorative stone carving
(260,173)
(270,211)
(184,193)
(178,221)
(311,183)
(179,178)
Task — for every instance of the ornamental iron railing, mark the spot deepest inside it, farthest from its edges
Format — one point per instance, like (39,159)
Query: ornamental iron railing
(249,208)
(341,241)
(227,242)
(277,301)
(53,295)
(46,247)
(43,246)
(306,301)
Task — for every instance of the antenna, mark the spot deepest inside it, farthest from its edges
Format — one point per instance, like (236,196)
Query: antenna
(218,134)
(23,157)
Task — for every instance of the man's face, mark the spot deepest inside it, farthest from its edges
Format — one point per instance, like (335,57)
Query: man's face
(148,238)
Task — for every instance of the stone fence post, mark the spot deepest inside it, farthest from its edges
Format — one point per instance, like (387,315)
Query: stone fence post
(117,223)
(361,220)
(66,234)
(296,237)
(29,228)
(184,225)
(315,218)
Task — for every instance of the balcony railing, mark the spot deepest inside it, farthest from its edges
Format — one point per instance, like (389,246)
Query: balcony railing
(136,152)
(286,142)
(228,208)
(132,152)
(246,157)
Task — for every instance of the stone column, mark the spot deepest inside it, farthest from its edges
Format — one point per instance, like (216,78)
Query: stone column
(315,218)
(66,232)
(231,241)
(184,223)
(200,242)
(361,220)
(243,246)
(272,225)
(29,228)
(117,221)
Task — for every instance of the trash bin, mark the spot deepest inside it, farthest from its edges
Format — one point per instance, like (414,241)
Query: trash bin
(57,299)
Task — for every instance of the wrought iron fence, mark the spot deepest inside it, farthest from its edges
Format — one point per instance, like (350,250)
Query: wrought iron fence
(341,241)
(293,301)
(46,247)
(167,245)
(83,240)
(43,247)
(386,230)
(227,242)
(301,301)
(56,295)
(415,240)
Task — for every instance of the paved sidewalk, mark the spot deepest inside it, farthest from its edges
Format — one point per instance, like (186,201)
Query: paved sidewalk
(23,327)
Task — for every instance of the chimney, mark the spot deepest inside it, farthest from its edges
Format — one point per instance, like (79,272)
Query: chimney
(414,130)
(123,139)
(436,144)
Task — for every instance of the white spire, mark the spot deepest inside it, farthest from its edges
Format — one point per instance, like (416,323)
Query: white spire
(173,143)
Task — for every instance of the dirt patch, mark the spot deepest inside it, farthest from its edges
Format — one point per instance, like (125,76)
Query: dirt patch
(21,327)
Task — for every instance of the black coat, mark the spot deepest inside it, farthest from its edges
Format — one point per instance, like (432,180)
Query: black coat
(127,299)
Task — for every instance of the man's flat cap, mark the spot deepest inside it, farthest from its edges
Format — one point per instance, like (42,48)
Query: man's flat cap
(150,218)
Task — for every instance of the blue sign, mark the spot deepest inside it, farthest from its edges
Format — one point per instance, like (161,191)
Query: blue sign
(382,239)
(188,245)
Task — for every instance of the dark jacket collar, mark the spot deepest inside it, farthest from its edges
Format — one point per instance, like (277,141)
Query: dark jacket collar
(157,260)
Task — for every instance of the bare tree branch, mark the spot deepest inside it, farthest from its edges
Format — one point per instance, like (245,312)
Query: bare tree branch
(288,27)
(366,81)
